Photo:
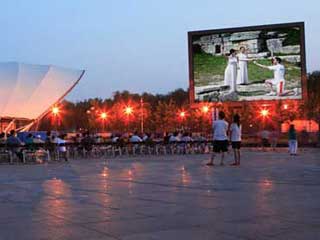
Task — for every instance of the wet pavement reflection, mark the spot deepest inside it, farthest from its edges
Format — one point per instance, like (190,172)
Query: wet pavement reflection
(163,197)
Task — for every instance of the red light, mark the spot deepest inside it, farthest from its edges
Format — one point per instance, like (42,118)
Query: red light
(182,114)
(103,115)
(55,110)
(264,112)
(205,109)
(128,110)
(285,106)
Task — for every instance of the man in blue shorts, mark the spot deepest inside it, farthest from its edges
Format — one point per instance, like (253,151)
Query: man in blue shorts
(220,138)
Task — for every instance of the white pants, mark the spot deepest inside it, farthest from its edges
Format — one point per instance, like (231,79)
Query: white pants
(277,84)
(293,146)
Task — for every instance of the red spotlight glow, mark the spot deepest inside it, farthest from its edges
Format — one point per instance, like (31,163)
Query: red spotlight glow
(264,112)
(285,106)
(55,110)
(205,109)
(103,115)
(128,110)
(182,114)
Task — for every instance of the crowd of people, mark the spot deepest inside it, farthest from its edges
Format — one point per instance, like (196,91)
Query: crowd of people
(223,133)
(53,143)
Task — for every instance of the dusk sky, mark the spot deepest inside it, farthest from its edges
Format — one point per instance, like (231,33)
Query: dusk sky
(135,45)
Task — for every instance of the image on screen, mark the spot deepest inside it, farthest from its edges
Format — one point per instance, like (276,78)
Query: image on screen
(258,64)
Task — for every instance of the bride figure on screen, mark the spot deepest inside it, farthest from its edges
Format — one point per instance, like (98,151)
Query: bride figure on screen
(230,73)
(242,75)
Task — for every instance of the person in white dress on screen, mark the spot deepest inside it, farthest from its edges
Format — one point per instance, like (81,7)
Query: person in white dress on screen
(230,73)
(242,75)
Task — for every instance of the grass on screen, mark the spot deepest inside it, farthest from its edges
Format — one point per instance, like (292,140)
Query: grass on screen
(206,64)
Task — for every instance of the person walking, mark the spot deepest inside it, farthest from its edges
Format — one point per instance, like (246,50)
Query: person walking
(235,137)
(220,138)
(293,143)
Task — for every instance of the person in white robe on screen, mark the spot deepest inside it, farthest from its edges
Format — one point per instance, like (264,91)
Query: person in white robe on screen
(242,75)
(230,73)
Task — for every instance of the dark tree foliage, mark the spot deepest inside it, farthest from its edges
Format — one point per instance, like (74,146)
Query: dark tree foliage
(312,106)
(293,37)
(160,112)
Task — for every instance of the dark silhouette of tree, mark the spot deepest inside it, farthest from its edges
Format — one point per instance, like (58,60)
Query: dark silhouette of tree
(312,104)
(161,112)
(165,116)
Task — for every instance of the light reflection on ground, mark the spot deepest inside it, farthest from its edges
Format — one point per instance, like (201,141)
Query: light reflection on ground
(270,196)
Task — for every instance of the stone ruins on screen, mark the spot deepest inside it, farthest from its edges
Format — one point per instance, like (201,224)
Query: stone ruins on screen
(260,44)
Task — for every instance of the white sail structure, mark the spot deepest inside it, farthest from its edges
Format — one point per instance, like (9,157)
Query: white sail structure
(29,91)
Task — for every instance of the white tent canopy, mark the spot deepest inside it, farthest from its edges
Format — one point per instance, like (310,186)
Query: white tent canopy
(28,91)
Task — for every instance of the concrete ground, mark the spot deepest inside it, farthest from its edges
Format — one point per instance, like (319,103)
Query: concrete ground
(271,196)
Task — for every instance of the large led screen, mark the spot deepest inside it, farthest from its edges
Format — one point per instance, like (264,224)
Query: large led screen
(247,64)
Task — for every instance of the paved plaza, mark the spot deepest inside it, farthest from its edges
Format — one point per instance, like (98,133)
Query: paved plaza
(271,196)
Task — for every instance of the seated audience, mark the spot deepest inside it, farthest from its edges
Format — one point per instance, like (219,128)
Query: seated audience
(135,138)
(15,144)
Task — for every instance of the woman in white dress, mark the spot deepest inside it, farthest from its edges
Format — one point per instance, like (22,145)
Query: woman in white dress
(242,75)
(230,73)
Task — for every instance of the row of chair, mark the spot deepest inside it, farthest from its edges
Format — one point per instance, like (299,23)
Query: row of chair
(27,156)
(113,150)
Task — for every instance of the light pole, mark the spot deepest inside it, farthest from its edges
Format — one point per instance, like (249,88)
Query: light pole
(182,116)
(55,113)
(103,117)
(264,114)
(128,111)
(142,116)
(204,114)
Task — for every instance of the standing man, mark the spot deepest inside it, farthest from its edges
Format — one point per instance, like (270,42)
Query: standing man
(220,138)
(293,143)
(264,134)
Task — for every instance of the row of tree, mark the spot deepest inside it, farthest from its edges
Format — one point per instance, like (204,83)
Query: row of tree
(127,111)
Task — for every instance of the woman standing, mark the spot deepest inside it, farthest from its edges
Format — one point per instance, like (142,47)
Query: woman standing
(242,75)
(235,135)
(230,73)
(293,143)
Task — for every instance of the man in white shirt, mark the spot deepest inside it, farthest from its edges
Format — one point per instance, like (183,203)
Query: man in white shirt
(220,138)
(62,149)
(173,137)
(277,83)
